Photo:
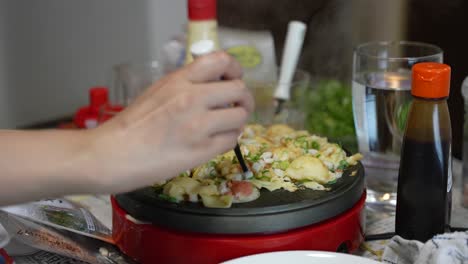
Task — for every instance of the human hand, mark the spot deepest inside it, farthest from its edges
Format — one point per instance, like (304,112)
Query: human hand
(178,123)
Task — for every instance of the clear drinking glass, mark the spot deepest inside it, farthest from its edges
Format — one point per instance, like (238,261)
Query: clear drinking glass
(131,79)
(381,99)
(293,111)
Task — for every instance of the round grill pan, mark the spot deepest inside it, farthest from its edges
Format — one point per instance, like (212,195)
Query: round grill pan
(273,212)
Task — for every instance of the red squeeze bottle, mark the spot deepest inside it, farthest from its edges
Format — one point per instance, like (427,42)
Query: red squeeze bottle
(425,177)
(98,111)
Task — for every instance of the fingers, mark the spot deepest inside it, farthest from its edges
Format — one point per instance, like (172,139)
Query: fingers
(225,120)
(222,94)
(212,67)
(223,142)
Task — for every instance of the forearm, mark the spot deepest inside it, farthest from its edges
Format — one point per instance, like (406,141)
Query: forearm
(37,164)
(173,127)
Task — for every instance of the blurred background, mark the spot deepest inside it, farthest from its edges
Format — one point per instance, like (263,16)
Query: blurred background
(52,51)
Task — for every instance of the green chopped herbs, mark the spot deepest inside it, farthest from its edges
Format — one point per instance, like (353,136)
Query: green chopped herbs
(253,157)
(212,163)
(282,165)
(315,145)
(265,175)
(329,111)
(63,218)
(305,143)
(332,182)
(185,174)
(343,165)
(213,173)
(303,181)
(234,160)
(168,198)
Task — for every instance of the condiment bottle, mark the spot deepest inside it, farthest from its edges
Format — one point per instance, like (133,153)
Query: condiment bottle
(424,181)
(202,24)
(98,111)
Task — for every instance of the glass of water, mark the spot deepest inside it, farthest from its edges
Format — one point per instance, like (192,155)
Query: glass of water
(381,100)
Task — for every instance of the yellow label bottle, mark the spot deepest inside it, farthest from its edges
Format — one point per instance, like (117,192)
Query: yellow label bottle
(202,24)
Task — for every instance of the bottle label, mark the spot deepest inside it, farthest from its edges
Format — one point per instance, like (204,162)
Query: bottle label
(200,30)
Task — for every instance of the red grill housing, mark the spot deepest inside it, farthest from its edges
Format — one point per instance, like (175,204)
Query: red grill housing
(147,243)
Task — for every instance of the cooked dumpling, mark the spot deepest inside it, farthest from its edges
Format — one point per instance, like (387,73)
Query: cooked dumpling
(285,154)
(217,201)
(181,187)
(314,186)
(252,130)
(308,168)
(279,130)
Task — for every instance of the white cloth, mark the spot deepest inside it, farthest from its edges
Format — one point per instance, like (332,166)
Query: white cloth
(449,248)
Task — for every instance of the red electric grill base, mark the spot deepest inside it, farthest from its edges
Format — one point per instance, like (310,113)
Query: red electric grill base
(147,243)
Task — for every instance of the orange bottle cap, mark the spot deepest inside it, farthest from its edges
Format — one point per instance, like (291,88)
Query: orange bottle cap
(430,80)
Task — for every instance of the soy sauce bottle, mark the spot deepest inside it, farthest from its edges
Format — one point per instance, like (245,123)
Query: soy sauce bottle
(424,181)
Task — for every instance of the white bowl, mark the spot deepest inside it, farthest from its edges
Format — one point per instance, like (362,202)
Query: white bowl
(302,257)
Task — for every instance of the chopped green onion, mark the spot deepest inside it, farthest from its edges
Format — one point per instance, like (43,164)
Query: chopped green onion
(282,165)
(185,174)
(265,178)
(343,165)
(332,182)
(315,145)
(253,158)
(213,173)
(168,198)
(304,180)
